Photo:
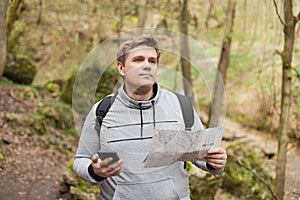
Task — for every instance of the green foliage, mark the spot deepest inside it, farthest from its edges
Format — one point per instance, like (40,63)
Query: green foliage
(240,63)
(107,82)
(240,181)
(56,114)
(204,187)
(14,38)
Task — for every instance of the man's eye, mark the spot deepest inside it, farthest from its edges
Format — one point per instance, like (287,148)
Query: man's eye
(153,61)
(138,60)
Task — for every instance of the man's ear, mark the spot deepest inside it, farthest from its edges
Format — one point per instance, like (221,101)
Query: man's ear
(121,69)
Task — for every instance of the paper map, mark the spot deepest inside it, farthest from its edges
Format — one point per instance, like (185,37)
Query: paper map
(169,146)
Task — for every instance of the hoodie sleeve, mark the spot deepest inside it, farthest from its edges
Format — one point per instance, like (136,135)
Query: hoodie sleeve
(199,163)
(89,144)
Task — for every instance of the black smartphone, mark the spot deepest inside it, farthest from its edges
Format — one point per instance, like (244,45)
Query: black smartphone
(106,154)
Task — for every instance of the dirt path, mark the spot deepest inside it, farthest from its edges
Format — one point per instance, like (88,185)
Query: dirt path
(269,145)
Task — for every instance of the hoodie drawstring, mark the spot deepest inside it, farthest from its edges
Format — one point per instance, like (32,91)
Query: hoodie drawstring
(153,114)
(142,120)
(142,123)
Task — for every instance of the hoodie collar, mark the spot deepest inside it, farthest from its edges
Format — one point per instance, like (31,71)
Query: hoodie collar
(132,103)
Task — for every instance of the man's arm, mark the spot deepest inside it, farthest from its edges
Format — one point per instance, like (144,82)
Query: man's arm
(89,144)
(216,158)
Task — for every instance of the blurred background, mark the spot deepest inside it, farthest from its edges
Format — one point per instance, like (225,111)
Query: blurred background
(255,45)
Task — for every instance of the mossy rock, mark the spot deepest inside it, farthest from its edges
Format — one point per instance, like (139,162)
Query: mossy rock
(73,187)
(20,69)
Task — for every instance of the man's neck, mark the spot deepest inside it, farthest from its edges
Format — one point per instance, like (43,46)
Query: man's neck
(141,94)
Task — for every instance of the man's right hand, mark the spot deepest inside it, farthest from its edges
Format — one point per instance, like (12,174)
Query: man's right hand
(101,168)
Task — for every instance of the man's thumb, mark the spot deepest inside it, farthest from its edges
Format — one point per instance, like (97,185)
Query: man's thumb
(95,158)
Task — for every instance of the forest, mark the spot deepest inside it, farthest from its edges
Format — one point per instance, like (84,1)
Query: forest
(237,60)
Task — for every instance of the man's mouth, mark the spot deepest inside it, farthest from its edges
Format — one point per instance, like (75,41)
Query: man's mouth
(146,75)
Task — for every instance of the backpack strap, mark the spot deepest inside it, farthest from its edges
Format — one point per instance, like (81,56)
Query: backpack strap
(102,110)
(187,111)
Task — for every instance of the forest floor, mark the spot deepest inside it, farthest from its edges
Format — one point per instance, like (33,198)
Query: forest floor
(29,171)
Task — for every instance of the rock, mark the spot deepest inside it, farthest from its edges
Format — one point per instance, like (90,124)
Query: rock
(20,69)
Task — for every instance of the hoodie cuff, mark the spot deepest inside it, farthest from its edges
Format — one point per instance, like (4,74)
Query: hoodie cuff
(94,175)
(209,167)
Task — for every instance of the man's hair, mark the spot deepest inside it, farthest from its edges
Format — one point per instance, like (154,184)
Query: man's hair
(147,40)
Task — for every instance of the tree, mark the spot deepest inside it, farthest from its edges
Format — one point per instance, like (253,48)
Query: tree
(142,13)
(216,108)
(289,28)
(3,35)
(185,51)
(12,14)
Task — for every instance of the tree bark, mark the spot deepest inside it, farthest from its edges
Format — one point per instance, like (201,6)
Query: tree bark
(142,10)
(12,14)
(289,28)
(3,35)
(185,52)
(218,95)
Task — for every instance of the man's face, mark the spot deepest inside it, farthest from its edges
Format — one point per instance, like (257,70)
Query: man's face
(140,68)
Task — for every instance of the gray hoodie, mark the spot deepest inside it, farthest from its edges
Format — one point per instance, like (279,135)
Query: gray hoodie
(128,129)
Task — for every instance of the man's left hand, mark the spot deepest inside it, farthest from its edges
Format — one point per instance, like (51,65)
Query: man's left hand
(216,157)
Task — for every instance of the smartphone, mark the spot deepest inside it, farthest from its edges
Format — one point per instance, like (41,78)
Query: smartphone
(106,154)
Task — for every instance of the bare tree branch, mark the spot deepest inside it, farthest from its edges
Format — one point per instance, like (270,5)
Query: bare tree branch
(257,176)
(277,12)
(298,17)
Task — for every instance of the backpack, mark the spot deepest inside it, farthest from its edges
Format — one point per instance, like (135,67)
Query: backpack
(185,104)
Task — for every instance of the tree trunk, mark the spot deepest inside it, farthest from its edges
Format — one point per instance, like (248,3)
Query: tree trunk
(12,14)
(185,51)
(290,22)
(142,10)
(218,95)
(3,35)
(40,14)
(95,24)
(208,16)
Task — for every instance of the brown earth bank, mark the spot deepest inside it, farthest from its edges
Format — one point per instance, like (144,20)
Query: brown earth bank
(30,168)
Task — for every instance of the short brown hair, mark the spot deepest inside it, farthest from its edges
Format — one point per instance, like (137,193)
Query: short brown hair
(147,40)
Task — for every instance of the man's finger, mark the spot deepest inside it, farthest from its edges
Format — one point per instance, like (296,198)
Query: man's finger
(95,158)
(216,150)
(104,163)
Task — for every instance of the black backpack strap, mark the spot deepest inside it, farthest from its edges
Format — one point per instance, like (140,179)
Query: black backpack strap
(187,111)
(102,110)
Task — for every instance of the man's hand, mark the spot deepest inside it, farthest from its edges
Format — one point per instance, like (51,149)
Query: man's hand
(101,168)
(216,157)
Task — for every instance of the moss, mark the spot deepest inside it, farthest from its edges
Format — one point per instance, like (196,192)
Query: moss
(1,155)
(53,88)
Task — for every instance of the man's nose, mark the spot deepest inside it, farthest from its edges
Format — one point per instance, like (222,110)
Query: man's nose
(146,65)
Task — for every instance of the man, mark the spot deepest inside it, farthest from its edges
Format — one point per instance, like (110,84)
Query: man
(140,107)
